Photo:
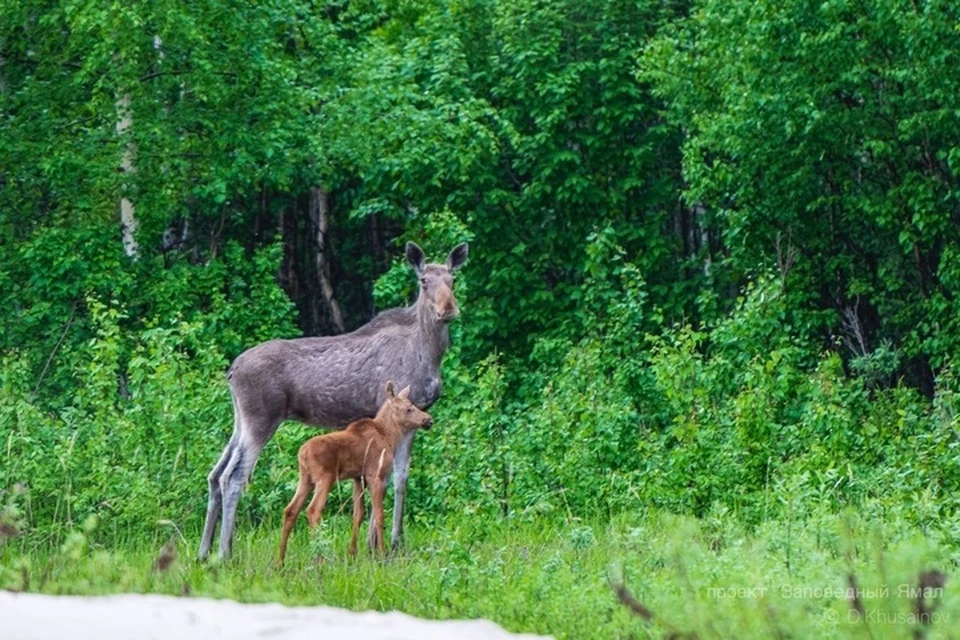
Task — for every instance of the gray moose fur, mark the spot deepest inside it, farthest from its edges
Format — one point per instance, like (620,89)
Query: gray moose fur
(331,381)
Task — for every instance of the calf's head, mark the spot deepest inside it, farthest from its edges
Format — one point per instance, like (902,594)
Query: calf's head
(436,280)
(402,412)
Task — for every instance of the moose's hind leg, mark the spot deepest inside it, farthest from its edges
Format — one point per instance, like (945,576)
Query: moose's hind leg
(215,501)
(234,479)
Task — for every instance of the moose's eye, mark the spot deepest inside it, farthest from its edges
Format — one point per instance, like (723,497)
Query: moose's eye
(409,409)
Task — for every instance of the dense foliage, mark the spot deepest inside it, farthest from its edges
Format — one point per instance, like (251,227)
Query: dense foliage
(713,246)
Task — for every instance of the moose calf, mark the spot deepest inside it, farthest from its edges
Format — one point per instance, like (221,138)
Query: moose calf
(362,452)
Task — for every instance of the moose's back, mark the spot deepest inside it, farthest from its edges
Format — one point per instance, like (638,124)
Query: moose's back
(331,381)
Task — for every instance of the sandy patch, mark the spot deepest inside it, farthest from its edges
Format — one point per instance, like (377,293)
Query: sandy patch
(42,617)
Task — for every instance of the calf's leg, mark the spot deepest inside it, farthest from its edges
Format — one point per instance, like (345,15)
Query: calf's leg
(292,511)
(377,489)
(321,493)
(357,514)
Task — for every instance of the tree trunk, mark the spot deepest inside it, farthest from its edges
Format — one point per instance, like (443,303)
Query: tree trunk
(320,217)
(289,277)
(260,216)
(700,234)
(128,219)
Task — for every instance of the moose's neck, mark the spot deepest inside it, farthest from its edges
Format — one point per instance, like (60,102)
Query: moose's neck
(434,335)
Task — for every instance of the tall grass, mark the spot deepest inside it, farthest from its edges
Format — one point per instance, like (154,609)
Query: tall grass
(816,577)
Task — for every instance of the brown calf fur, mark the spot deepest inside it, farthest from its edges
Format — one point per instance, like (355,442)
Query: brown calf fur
(362,452)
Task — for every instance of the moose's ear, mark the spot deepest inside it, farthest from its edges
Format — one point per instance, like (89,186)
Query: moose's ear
(391,393)
(415,256)
(457,257)
(403,395)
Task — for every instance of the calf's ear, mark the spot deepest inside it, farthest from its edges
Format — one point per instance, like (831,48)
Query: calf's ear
(403,395)
(457,257)
(391,393)
(415,256)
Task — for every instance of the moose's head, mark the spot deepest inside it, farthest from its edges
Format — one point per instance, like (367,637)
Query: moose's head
(436,280)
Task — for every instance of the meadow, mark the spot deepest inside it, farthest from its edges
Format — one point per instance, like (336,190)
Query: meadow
(819,576)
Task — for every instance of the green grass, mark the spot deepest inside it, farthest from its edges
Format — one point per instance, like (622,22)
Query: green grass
(713,577)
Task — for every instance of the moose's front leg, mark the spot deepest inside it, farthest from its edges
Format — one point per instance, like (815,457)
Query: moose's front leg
(401,471)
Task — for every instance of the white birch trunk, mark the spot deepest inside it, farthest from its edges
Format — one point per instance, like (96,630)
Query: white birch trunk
(128,218)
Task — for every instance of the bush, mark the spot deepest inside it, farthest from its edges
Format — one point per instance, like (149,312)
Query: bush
(732,414)
(149,408)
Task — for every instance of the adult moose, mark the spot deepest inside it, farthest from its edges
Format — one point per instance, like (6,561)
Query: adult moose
(332,381)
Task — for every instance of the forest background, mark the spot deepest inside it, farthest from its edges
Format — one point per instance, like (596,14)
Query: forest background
(714,251)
